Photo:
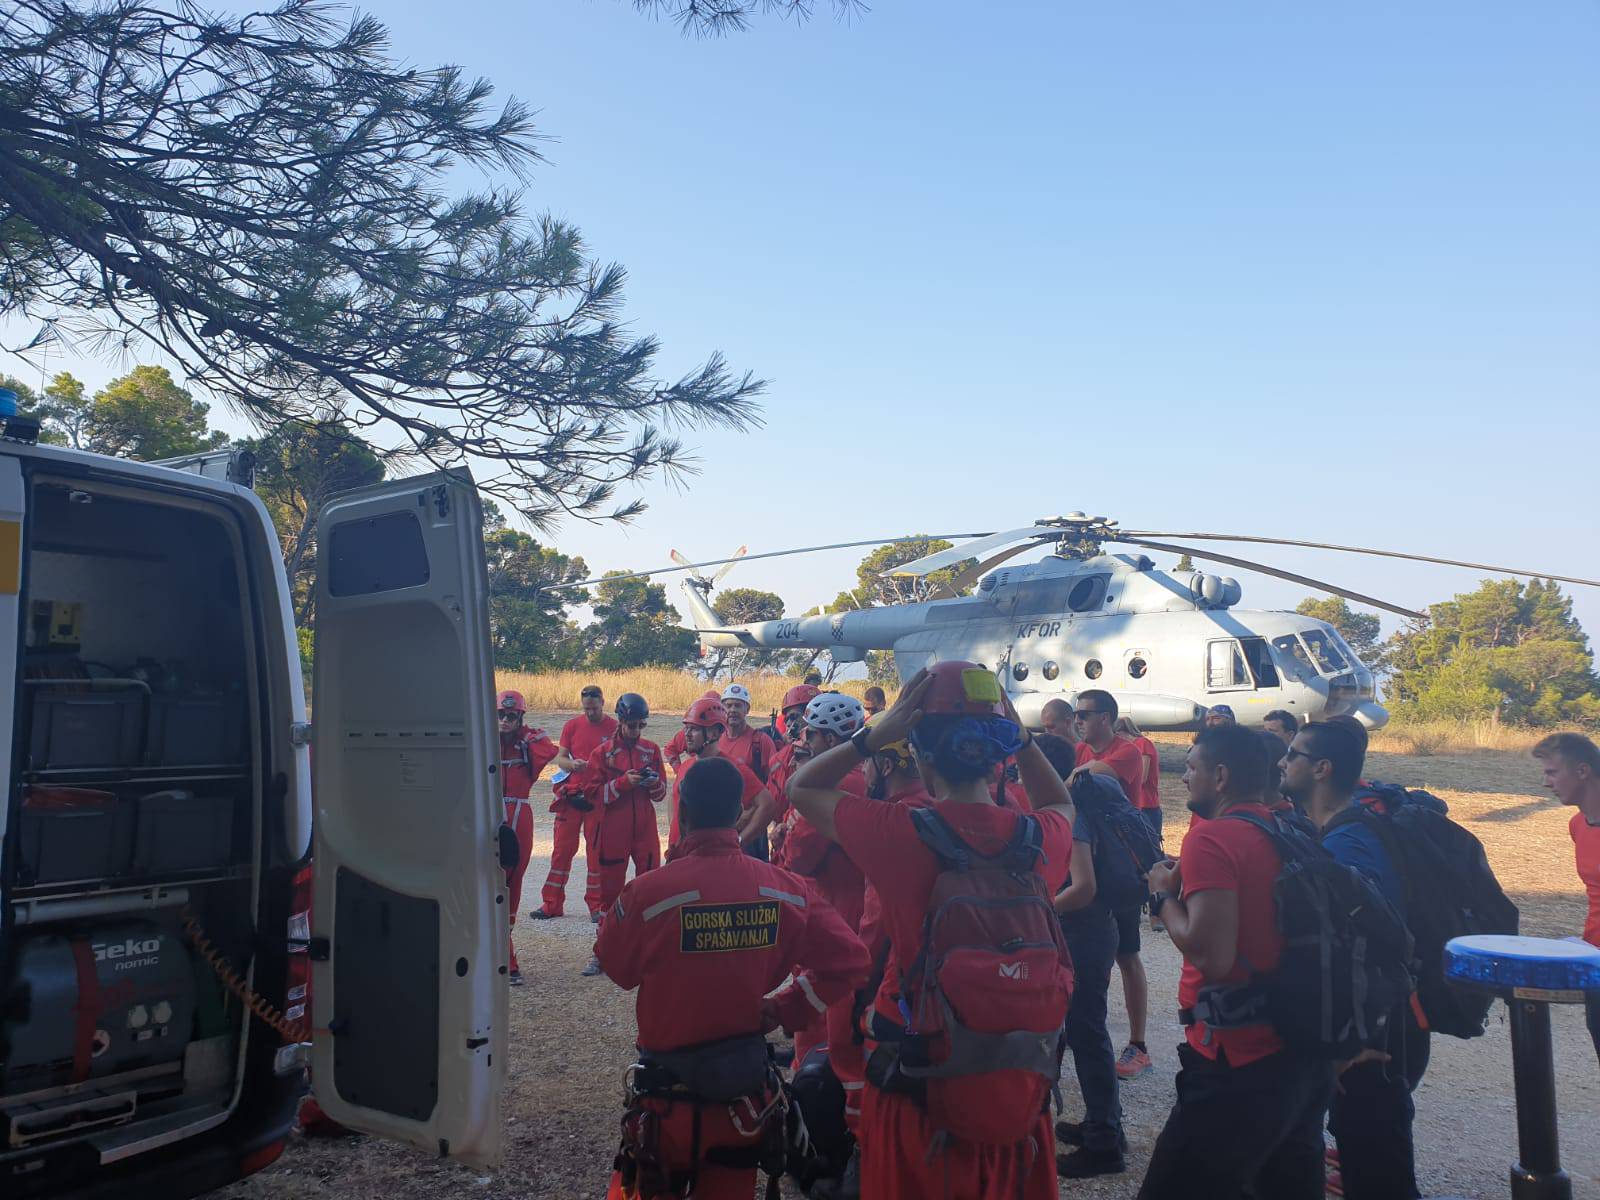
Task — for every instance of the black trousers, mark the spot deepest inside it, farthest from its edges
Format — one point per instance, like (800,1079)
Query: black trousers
(1371,1113)
(1092,938)
(1594,1023)
(1256,1128)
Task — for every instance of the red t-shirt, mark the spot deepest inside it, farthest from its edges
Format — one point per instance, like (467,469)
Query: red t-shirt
(581,737)
(1123,757)
(1236,857)
(1586,847)
(1150,794)
(752,789)
(753,748)
(675,751)
(882,841)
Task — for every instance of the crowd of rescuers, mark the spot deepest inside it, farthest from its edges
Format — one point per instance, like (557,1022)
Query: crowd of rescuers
(934,932)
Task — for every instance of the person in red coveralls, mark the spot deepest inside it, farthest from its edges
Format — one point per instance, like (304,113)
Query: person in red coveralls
(704,727)
(792,722)
(960,725)
(706,939)
(575,814)
(831,718)
(1572,771)
(743,742)
(524,751)
(1250,1112)
(625,782)
(1102,749)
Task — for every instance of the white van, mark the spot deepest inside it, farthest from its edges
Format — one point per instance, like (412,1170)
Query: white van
(159,924)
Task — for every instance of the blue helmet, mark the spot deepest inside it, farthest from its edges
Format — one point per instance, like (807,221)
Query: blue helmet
(632,707)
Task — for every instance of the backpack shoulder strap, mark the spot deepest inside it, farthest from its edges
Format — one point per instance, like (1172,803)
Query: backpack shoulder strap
(1026,846)
(1288,843)
(936,834)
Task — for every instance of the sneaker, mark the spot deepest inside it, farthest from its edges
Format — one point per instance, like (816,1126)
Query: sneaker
(593,968)
(1084,1163)
(515,979)
(540,914)
(1132,1063)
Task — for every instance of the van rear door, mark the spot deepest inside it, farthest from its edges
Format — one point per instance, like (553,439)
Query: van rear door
(409,936)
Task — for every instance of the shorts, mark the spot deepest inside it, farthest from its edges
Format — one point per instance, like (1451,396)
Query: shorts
(1128,921)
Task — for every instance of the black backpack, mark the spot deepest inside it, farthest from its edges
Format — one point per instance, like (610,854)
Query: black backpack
(1450,892)
(1346,958)
(1125,847)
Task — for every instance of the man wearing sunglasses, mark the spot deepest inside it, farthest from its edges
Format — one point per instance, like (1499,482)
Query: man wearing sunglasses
(524,753)
(1104,751)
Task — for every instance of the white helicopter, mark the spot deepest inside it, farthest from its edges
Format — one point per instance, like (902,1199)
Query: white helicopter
(1167,644)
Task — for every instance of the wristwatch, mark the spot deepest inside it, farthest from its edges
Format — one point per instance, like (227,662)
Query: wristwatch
(859,741)
(1156,901)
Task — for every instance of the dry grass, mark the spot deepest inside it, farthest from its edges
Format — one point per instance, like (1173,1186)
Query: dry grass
(665,689)
(1424,738)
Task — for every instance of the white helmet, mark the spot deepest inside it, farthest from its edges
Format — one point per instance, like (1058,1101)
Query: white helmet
(736,691)
(835,713)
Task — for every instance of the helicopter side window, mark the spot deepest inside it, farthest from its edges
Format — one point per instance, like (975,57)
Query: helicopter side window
(1329,660)
(1225,666)
(1259,659)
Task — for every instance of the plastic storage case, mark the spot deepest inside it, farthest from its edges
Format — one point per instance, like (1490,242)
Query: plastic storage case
(72,834)
(84,730)
(193,731)
(180,831)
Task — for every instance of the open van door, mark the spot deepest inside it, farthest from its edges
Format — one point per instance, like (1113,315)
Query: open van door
(409,921)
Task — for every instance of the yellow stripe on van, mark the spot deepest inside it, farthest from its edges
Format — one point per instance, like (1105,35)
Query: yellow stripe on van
(10,557)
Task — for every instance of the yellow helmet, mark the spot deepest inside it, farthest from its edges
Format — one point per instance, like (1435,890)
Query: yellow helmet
(901,750)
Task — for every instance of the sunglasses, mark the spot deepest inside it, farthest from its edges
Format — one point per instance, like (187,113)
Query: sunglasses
(1292,753)
(508,714)
(1083,714)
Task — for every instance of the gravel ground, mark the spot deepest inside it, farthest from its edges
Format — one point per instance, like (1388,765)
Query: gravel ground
(572,1037)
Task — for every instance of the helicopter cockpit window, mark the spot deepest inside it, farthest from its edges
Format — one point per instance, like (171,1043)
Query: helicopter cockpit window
(1293,652)
(1328,659)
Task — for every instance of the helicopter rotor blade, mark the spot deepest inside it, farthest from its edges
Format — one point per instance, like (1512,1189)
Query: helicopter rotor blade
(1132,534)
(1318,584)
(946,558)
(978,570)
(679,559)
(728,566)
(717,562)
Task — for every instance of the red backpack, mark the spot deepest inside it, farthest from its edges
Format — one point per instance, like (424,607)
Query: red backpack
(987,994)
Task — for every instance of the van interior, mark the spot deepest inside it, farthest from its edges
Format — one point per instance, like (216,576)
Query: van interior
(132,834)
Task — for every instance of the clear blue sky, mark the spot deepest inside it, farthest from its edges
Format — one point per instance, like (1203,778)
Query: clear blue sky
(1325,272)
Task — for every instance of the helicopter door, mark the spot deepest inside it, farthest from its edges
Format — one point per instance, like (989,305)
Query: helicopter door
(409,928)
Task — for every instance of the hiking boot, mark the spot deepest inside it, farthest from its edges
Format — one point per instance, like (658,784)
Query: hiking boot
(515,978)
(846,1187)
(593,968)
(540,914)
(1084,1163)
(1070,1133)
(1132,1062)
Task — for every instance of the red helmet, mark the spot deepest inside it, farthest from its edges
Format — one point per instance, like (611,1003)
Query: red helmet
(706,712)
(712,694)
(800,693)
(963,688)
(513,701)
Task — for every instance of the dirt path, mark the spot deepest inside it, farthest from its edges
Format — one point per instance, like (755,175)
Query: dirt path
(572,1037)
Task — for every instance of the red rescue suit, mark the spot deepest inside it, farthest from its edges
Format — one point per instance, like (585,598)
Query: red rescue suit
(523,754)
(752,788)
(627,813)
(579,738)
(706,939)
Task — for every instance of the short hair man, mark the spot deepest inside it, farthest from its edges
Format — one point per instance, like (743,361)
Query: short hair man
(1572,771)
(1219,715)
(574,813)
(722,948)
(874,701)
(1060,720)
(1103,750)
(1372,1112)
(1249,1113)
(1282,724)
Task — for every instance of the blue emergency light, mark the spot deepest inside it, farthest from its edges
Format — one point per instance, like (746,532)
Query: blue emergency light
(1550,969)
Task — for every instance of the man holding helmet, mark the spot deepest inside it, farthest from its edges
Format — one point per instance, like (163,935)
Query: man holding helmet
(574,814)
(625,781)
(957,1091)
(524,752)
(704,730)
